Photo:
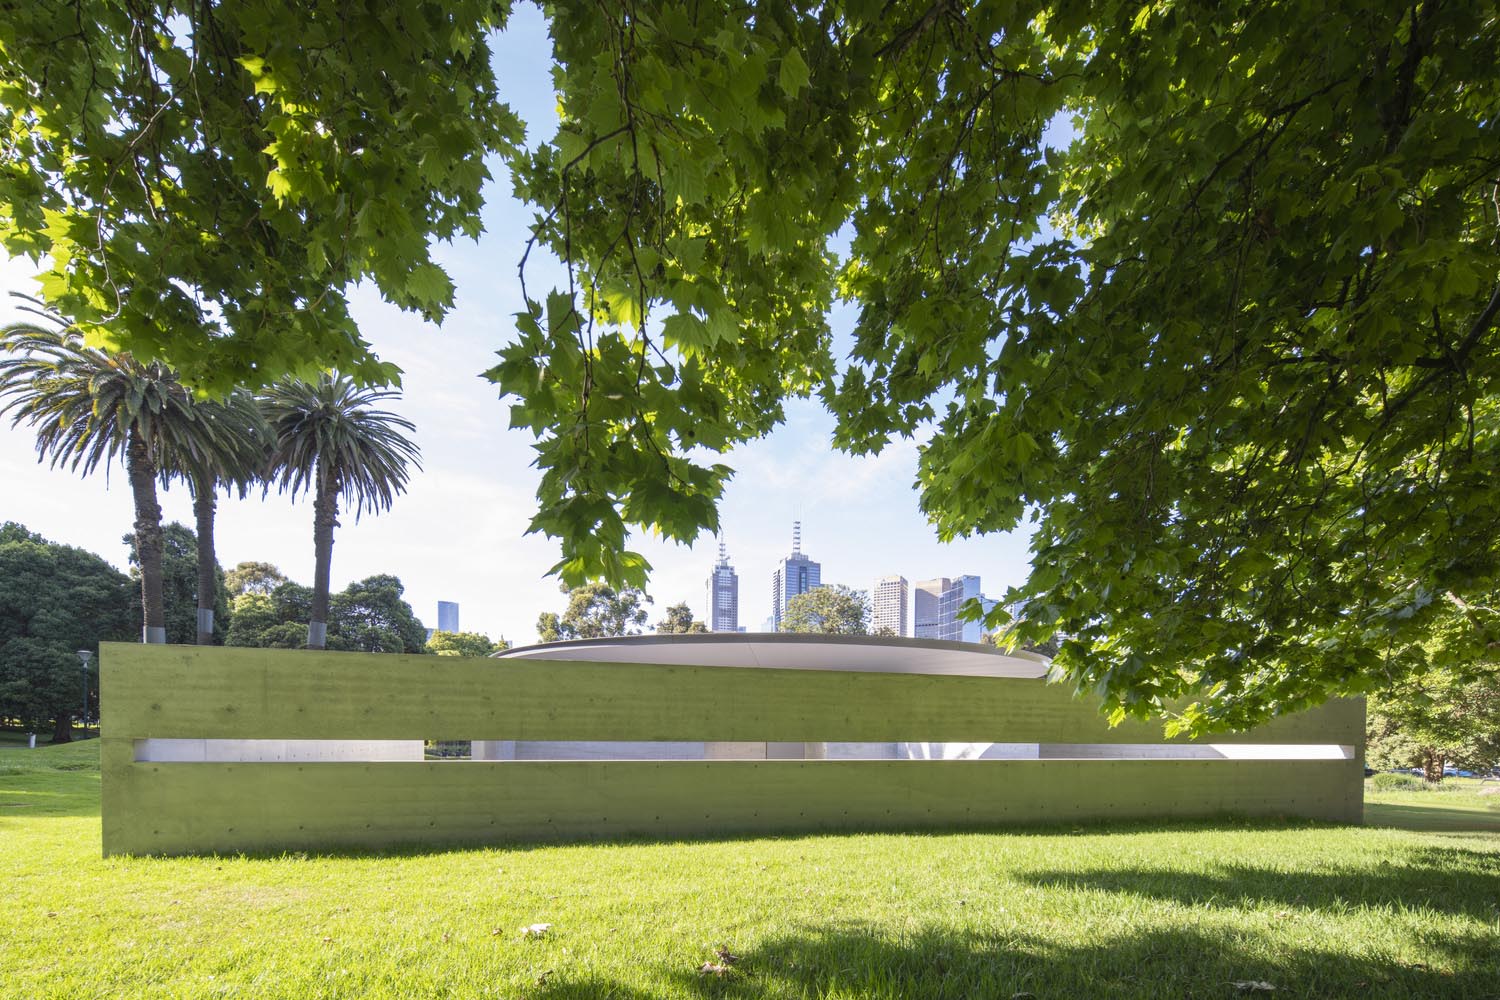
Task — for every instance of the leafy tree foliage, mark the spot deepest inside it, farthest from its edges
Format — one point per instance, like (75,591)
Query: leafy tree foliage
(464,644)
(678,620)
(1437,719)
(54,600)
(206,180)
(328,439)
(179,584)
(368,616)
(253,578)
(835,610)
(1231,343)
(264,621)
(1244,381)
(594,611)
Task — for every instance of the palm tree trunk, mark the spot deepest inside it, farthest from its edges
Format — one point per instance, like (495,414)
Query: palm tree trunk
(325,519)
(205,499)
(148,543)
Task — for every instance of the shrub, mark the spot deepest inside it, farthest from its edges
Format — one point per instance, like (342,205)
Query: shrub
(1385,782)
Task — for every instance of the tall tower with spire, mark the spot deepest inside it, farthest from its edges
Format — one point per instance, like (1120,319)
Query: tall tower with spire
(796,574)
(723,594)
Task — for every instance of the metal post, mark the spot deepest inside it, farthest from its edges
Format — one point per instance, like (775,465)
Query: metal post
(85,655)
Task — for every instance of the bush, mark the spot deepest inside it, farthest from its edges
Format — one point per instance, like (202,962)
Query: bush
(1385,782)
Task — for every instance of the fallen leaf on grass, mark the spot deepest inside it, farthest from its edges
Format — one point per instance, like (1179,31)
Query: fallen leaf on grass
(723,967)
(542,979)
(1254,986)
(535,930)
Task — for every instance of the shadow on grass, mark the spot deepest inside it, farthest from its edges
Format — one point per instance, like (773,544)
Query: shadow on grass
(1451,880)
(1094,828)
(1432,817)
(851,960)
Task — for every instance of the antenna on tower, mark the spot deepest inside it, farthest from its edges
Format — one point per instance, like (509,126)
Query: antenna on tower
(723,552)
(796,538)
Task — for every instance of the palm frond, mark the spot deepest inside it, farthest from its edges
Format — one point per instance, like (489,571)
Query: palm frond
(334,427)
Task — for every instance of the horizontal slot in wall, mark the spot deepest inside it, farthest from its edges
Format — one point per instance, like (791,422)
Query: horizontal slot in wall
(218,751)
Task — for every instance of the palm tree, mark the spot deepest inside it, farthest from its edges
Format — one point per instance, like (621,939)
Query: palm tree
(241,441)
(328,438)
(91,407)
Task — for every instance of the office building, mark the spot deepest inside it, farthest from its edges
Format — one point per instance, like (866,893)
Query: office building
(888,606)
(937,604)
(796,574)
(448,616)
(723,595)
(927,608)
(960,592)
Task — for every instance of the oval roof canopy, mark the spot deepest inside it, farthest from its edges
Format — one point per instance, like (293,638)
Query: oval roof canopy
(795,651)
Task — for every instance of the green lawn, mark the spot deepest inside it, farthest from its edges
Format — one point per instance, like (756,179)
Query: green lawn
(1119,912)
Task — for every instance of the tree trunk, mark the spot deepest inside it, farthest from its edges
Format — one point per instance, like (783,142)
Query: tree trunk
(62,729)
(1432,766)
(205,499)
(148,541)
(325,519)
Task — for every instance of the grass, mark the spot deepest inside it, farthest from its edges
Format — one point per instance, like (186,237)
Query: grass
(1119,912)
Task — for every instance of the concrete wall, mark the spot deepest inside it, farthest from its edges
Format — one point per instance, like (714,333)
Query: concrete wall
(217,694)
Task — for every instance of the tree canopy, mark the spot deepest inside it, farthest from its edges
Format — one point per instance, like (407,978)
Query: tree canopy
(835,610)
(1209,294)
(594,611)
(253,577)
(207,180)
(54,601)
(678,620)
(1437,718)
(368,616)
(464,644)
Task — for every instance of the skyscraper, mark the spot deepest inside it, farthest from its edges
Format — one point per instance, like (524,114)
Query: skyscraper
(938,603)
(796,574)
(927,610)
(448,616)
(954,598)
(723,595)
(888,605)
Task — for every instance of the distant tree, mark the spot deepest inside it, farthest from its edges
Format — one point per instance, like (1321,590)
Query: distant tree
(595,610)
(885,632)
(275,620)
(253,578)
(679,621)
(329,440)
(54,600)
(464,644)
(180,583)
(1434,720)
(835,610)
(91,407)
(369,616)
(10,531)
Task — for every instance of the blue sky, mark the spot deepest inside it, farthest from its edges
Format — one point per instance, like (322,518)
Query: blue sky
(459,533)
